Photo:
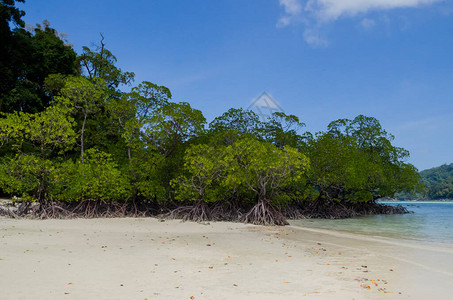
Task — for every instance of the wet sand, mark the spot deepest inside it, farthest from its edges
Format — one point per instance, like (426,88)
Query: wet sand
(148,259)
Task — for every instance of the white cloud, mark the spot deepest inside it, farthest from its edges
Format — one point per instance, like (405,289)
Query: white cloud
(327,10)
(367,23)
(284,21)
(314,38)
(293,8)
(316,13)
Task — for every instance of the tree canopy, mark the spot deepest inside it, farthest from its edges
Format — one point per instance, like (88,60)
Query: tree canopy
(74,143)
(439,182)
(27,57)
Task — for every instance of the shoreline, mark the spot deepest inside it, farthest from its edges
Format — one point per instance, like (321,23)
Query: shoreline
(368,237)
(138,258)
(415,200)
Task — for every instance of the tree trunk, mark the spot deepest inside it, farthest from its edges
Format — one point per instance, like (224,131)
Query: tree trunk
(129,153)
(81,136)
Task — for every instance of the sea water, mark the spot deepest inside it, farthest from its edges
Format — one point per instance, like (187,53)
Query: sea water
(430,222)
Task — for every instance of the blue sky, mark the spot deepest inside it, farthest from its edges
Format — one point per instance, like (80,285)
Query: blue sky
(320,59)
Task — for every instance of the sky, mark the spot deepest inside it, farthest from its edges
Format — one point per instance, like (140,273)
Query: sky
(321,60)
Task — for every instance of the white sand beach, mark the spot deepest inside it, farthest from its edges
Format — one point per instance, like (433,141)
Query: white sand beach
(148,259)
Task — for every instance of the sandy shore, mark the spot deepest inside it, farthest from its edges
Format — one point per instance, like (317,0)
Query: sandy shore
(148,259)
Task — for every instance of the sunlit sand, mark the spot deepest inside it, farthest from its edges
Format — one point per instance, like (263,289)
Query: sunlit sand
(149,259)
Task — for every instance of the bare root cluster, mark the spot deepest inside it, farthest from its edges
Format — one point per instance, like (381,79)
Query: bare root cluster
(82,209)
(339,210)
(263,213)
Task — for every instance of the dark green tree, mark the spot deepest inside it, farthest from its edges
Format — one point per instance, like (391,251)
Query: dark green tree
(31,57)
(100,63)
(9,15)
(85,99)
(355,161)
(173,124)
(237,119)
(266,170)
(204,172)
(282,130)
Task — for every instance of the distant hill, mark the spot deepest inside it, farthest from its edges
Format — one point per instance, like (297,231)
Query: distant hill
(439,182)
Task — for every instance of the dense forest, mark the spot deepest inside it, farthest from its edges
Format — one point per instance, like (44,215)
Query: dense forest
(73,143)
(439,182)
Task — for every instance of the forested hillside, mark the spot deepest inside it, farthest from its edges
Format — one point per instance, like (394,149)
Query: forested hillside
(73,143)
(439,182)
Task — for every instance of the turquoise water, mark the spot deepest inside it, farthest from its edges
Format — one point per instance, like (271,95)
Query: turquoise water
(430,222)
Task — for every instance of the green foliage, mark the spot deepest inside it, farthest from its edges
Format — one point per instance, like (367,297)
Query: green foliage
(83,94)
(9,13)
(26,59)
(49,130)
(146,169)
(52,129)
(12,129)
(147,97)
(356,161)
(100,63)
(142,147)
(43,179)
(53,55)
(204,171)
(173,124)
(98,178)
(439,182)
(83,98)
(26,175)
(252,169)
(264,168)
(21,97)
(442,190)
(122,117)
(133,111)
(434,175)
(238,120)
(330,161)
(281,130)
(54,83)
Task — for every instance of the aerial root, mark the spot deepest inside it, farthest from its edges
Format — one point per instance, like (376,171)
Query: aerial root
(264,214)
(337,210)
(198,213)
